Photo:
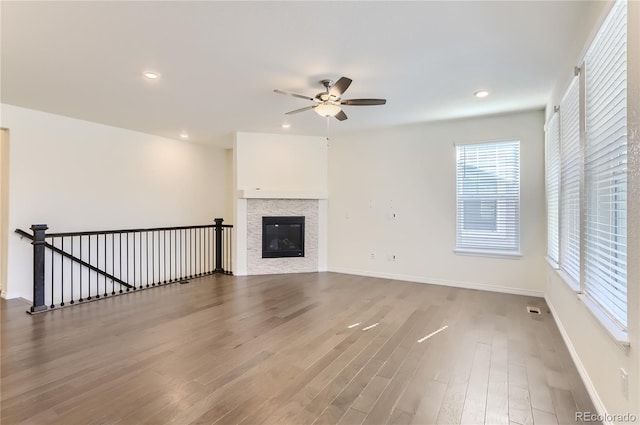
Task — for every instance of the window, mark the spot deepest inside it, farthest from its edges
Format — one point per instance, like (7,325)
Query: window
(592,195)
(488,198)
(552,178)
(605,168)
(570,165)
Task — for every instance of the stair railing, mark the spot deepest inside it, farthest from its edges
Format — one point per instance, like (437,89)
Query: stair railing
(77,267)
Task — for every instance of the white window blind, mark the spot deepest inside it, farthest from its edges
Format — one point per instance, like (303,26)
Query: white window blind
(605,279)
(552,179)
(488,197)
(570,165)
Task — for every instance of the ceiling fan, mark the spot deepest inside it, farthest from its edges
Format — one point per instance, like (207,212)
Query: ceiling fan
(328,103)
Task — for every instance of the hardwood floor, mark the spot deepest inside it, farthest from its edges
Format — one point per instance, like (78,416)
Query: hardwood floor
(280,349)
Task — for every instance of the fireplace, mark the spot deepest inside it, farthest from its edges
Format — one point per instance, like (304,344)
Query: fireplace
(282,237)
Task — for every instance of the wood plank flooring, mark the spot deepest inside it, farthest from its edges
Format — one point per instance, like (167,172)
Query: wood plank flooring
(280,349)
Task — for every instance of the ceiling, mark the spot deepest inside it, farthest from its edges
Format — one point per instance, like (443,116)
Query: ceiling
(220,61)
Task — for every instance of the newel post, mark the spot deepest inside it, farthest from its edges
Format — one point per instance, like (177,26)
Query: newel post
(38,267)
(219,268)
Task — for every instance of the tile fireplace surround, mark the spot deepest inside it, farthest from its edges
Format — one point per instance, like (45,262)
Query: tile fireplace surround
(258,208)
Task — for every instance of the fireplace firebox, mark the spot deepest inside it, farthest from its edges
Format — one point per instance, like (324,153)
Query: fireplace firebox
(282,237)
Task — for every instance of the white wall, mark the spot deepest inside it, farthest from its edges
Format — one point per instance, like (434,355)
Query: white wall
(598,357)
(4,207)
(591,18)
(410,171)
(277,162)
(76,175)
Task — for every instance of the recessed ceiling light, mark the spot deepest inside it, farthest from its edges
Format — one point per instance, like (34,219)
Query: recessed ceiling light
(481,93)
(286,125)
(151,75)
(184,135)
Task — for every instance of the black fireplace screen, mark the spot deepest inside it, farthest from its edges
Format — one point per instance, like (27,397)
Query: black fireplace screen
(282,237)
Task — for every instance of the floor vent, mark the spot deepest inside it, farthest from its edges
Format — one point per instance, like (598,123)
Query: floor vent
(533,310)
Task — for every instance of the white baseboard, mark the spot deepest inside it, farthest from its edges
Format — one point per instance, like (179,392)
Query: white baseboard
(582,371)
(443,282)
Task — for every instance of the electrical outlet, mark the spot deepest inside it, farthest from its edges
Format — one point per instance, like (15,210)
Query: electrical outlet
(391,257)
(624,383)
(373,255)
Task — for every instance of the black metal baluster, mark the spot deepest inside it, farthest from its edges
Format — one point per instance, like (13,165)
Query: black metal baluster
(120,254)
(213,249)
(105,264)
(230,252)
(81,270)
(187,244)
(147,257)
(160,262)
(89,271)
(127,268)
(180,247)
(183,271)
(134,261)
(187,253)
(113,263)
(140,257)
(170,257)
(193,254)
(164,246)
(72,242)
(62,274)
(159,251)
(207,253)
(153,259)
(207,250)
(198,259)
(97,266)
(53,243)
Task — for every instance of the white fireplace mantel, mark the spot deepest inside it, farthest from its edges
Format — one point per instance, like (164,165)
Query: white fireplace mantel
(282,194)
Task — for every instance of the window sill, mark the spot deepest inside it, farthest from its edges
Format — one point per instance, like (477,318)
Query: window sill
(571,283)
(511,255)
(554,265)
(619,336)
(564,276)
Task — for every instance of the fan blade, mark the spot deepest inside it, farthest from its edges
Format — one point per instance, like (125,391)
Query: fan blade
(363,102)
(301,96)
(341,116)
(295,111)
(340,86)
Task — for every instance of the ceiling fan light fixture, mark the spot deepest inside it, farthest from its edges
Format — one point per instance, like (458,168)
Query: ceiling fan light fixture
(327,109)
(150,75)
